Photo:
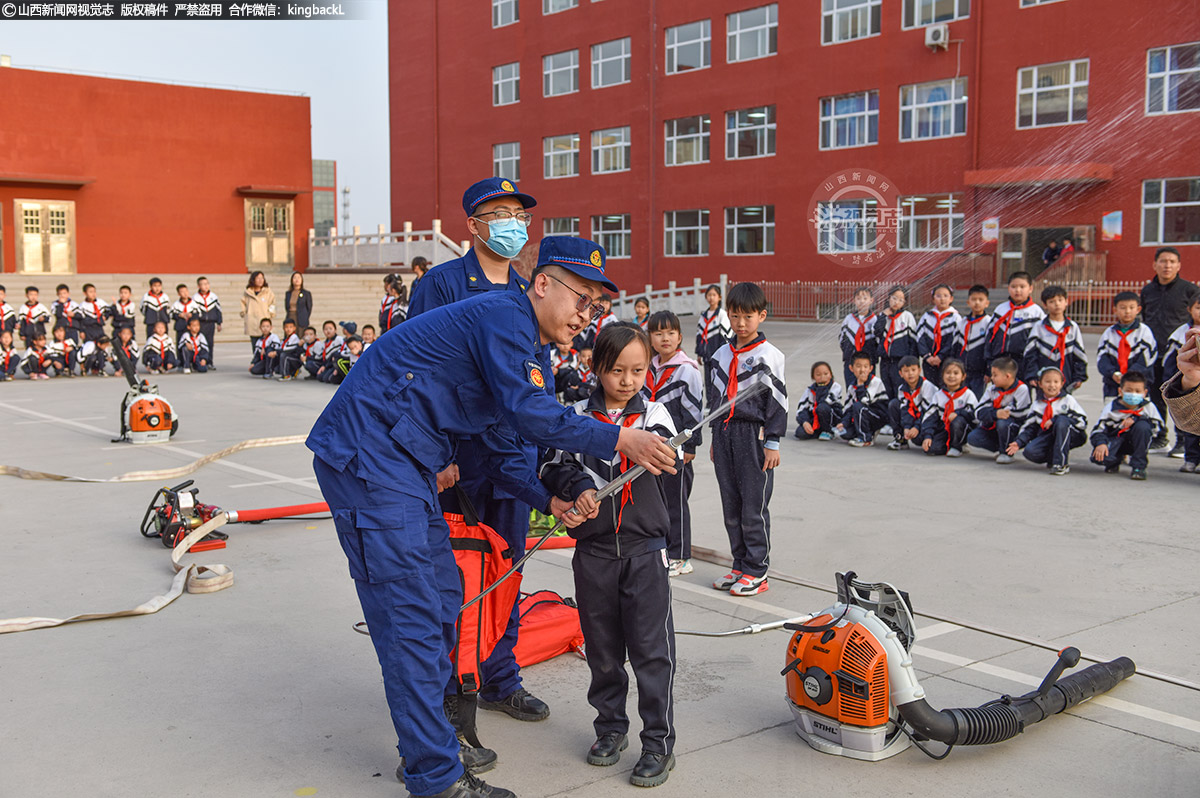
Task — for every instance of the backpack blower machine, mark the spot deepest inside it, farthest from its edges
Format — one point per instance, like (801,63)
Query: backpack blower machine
(146,417)
(853,692)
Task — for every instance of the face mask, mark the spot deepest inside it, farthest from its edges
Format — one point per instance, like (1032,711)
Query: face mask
(1133,399)
(506,237)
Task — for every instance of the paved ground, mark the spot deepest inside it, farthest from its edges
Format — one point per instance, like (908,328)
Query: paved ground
(264,690)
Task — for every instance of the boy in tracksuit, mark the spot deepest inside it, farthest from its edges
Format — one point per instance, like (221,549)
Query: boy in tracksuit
(183,310)
(128,346)
(159,354)
(937,332)
(155,307)
(329,349)
(1054,426)
(1125,428)
(91,313)
(64,310)
(32,317)
(1013,320)
(1170,367)
(914,396)
(948,420)
(820,407)
(1126,346)
(96,356)
(8,314)
(580,381)
(63,353)
(311,353)
(972,338)
(1056,341)
(344,360)
(10,358)
(210,316)
(194,352)
(1001,410)
(858,332)
(37,359)
(266,351)
(124,313)
(865,409)
(289,355)
(712,331)
(745,443)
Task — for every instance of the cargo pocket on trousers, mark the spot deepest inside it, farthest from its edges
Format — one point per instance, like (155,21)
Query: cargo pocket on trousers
(395,542)
(351,540)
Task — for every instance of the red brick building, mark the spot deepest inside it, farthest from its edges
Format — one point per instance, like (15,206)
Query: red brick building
(117,176)
(695,137)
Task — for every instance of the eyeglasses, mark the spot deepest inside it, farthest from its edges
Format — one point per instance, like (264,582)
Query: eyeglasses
(522,217)
(585,302)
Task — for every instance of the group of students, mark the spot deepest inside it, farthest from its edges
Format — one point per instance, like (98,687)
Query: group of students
(328,359)
(1000,381)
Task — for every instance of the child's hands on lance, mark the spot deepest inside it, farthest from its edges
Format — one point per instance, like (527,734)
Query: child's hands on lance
(586,507)
(1100,452)
(770,459)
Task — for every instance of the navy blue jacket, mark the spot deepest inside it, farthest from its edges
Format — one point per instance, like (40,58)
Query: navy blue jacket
(456,280)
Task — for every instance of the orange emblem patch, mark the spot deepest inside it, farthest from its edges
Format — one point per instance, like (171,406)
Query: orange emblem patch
(596,258)
(536,377)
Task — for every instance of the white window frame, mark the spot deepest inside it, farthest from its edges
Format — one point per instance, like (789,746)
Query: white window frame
(916,108)
(1160,208)
(733,225)
(914,15)
(868,15)
(500,81)
(765,34)
(671,227)
(1036,3)
(599,60)
(619,148)
(553,226)
(550,72)
(557,6)
(860,119)
(499,7)
(511,156)
(704,41)
(604,235)
(765,130)
(1071,87)
(1165,78)
(949,221)
(672,139)
(861,215)
(550,153)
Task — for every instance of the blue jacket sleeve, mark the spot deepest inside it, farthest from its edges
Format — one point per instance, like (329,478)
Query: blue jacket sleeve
(429,294)
(509,467)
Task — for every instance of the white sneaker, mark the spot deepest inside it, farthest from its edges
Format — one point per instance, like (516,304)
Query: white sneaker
(679,567)
(954,453)
(1004,458)
(727,581)
(187,371)
(887,430)
(750,586)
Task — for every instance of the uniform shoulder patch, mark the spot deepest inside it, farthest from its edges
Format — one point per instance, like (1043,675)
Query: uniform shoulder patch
(533,371)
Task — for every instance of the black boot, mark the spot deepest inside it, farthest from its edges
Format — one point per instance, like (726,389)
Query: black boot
(520,705)
(652,769)
(607,749)
(475,760)
(470,787)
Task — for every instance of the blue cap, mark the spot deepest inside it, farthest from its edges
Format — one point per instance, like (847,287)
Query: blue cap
(491,188)
(349,327)
(578,256)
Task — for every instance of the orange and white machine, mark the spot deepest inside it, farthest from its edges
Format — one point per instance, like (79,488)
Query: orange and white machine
(146,417)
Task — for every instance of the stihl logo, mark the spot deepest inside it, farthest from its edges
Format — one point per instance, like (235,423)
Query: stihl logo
(830,730)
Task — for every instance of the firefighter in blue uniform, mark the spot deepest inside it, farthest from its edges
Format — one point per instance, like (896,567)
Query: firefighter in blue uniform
(466,369)
(497,218)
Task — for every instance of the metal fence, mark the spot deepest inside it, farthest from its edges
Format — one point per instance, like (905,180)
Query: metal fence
(681,300)
(1090,304)
(381,249)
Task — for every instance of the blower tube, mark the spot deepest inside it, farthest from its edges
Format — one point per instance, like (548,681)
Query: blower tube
(1007,717)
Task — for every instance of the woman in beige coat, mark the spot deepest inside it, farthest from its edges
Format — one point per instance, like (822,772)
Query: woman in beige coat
(258,303)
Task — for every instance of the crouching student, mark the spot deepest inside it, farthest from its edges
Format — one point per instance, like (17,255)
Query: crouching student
(10,358)
(266,351)
(159,355)
(1125,428)
(820,409)
(311,353)
(63,352)
(289,354)
(948,420)
(621,580)
(914,396)
(581,381)
(866,403)
(1001,410)
(128,346)
(1056,424)
(96,357)
(37,362)
(563,362)
(193,348)
(344,360)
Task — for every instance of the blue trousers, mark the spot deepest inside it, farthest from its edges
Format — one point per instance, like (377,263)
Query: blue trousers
(1134,442)
(1054,445)
(398,547)
(996,439)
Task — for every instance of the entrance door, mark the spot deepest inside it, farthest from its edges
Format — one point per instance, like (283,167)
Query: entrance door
(1012,252)
(269,235)
(47,243)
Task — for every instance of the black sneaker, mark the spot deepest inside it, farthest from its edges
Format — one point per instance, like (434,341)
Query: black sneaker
(1138,474)
(1177,450)
(475,760)
(652,769)
(520,705)
(1112,469)
(1160,442)
(471,787)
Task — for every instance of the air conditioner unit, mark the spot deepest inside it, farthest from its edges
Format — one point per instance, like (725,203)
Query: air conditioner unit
(937,36)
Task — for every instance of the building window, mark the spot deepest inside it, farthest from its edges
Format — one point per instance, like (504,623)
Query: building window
(689,47)
(612,233)
(750,230)
(847,225)
(933,110)
(918,13)
(324,174)
(561,156)
(506,160)
(504,12)
(561,226)
(610,150)
(1052,94)
(1031,3)
(847,20)
(933,222)
(752,34)
(554,6)
(1171,211)
(750,133)
(687,140)
(850,120)
(1173,79)
(560,73)
(506,84)
(685,233)
(610,63)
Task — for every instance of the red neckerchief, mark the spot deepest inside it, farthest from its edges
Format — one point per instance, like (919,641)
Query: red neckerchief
(1048,413)
(998,399)
(816,421)
(627,488)
(643,322)
(185,303)
(126,349)
(42,354)
(96,310)
(262,344)
(162,348)
(125,306)
(1006,320)
(1133,411)
(707,322)
(158,298)
(29,312)
(968,322)
(950,399)
(308,349)
(8,353)
(65,310)
(866,386)
(585,373)
(731,388)
(1060,344)
(911,398)
(391,311)
(656,385)
(1124,349)
(937,329)
(887,339)
(860,337)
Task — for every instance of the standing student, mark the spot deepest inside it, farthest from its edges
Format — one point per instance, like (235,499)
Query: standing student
(258,304)
(194,351)
(620,583)
(858,332)
(65,312)
(419,267)
(124,312)
(210,316)
(896,337)
(1125,428)
(820,408)
(745,443)
(937,332)
(1189,444)
(183,310)
(972,338)
(641,313)
(297,301)
(712,331)
(948,420)
(914,396)
(1056,341)
(8,314)
(1054,426)
(865,410)
(155,307)
(32,317)
(391,309)
(1001,410)
(1013,320)
(92,313)
(1126,345)
(596,326)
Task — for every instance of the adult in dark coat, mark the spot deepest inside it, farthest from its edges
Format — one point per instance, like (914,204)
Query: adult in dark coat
(1165,301)
(298,302)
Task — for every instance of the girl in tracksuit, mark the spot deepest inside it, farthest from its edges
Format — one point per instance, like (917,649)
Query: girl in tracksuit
(895,337)
(820,407)
(620,564)
(712,330)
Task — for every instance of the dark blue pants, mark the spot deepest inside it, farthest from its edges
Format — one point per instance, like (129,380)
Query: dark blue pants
(862,421)
(1191,446)
(1054,445)
(889,372)
(398,547)
(977,382)
(745,493)
(954,438)
(209,330)
(825,422)
(1134,442)
(679,534)
(154,360)
(996,439)
(264,366)
(901,419)
(196,362)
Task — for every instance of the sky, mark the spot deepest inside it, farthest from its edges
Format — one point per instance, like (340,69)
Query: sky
(341,65)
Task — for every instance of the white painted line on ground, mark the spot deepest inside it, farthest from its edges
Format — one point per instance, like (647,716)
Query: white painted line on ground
(937,630)
(273,482)
(55,420)
(168,445)
(709,592)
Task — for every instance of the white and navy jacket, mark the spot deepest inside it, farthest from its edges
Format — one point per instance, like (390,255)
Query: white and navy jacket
(937,333)
(161,345)
(1062,349)
(210,308)
(131,350)
(193,348)
(678,386)
(1017,399)
(63,350)
(828,394)
(32,319)
(758,361)
(91,314)
(631,522)
(39,356)
(857,334)
(156,308)
(66,314)
(183,312)
(915,401)
(8,317)
(124,314)
(1115,413)
(1171,351)
(972,342)
(292,345)
(1062,405)
(9,360)
(313,351)
(873,394)
(1010,328)
(962,402)
(391,312)
(1141,355)
(264,345)
(560,361)
(712,332)
(896,335)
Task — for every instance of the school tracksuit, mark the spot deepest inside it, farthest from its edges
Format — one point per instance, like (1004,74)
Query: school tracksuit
(937,335)
(155,308)
(563,367)
(1124,350)
(94,360)
(263,364)
(64,314)
(289,357)
(865,409)
(712,333)
(8,318)
(992,432)
(37,361)
(1058,346)
(821,406)
(91,313)
(1133,441)
(972,349)
(124,314)
(738,442)
(194,352)
(131,351)
(1051,429)
(952,434)
(159,352)
(63,355)
(621,581)
(906,411)
(897,337)
(1010,329)
(1170,367)
(579,384)
(10,359)
(182,312)
(676,385)
(313,356)
(391,312)
(857,334)
(210,317)
(31,320)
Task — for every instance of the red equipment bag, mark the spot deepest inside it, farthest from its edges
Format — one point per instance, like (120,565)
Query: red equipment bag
(549,627)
